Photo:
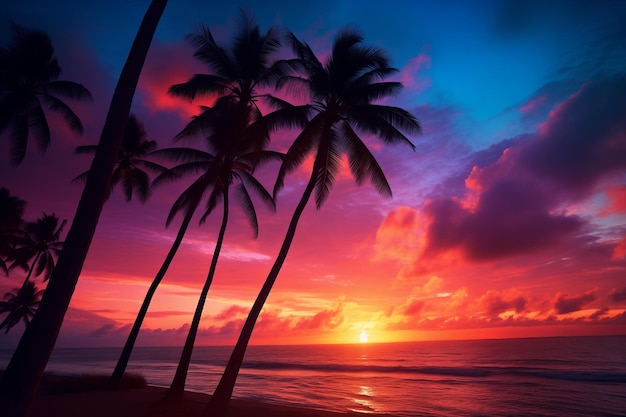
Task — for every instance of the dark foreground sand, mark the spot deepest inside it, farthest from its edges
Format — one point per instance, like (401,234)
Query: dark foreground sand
(152,402)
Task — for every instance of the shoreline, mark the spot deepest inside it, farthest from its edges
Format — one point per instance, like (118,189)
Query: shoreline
(151,401)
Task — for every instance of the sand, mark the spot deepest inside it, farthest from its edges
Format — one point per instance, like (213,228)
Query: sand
(152,402)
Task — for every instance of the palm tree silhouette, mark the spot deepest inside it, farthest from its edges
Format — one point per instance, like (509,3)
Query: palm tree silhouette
(29,75)
(223,167)
(20,304)
(235,75)
(41,245)
(11,212)
(131,166)
(343,90)
(21,378)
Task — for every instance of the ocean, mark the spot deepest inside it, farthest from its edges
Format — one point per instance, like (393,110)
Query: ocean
(565,376)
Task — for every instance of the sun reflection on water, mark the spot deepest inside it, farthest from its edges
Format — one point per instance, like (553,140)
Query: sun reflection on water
(364,400)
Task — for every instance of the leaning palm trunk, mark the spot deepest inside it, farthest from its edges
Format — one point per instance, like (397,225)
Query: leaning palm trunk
(122,362)
(178,384)
(22,376)
(219,402)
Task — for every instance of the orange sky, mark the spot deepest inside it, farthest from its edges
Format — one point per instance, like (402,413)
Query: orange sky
(509,220)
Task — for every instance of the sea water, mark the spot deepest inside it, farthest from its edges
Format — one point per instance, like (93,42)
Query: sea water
(572,376)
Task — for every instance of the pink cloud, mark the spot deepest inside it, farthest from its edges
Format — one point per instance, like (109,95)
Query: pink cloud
(564,303)
(497,302)
(618,296)
(617,201)
(411,75)
(533,104)
(517,205)
(166,65)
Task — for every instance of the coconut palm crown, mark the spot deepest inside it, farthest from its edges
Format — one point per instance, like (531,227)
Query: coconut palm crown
(132,167)
(29,81)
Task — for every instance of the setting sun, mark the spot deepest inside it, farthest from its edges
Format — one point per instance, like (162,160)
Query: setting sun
(363,336)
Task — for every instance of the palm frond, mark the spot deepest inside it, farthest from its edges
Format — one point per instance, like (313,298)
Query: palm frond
(68,89)
(39,125)
(209,52)
(200,85)
(301,147)
(19,138)
(246,204)
(386,122)
(326,166)
(86,149)
(60,107)
(362,163)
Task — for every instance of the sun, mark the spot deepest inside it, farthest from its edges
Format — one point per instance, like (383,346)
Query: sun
(363,336)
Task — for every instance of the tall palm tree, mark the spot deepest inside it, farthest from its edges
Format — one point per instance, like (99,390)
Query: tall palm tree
(235,75)
(21,378)
(29,75)
(220,169)
(11,212)
(343,90)
(41,246)
(131,166)
(20,304)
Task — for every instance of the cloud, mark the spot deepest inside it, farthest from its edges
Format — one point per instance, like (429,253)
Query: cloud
(232,311)
(522,201)
(326,319)
(166,65)
(410,75)
(584,138)
(616,201)
(497,302)
(564,303)
(618,296)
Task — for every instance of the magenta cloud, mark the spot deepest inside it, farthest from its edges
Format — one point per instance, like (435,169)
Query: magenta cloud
(564,303)
(517,204)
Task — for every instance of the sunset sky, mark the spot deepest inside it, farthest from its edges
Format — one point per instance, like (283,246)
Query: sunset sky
(509,219)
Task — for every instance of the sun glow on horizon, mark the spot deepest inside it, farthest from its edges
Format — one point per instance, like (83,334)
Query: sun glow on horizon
(363,336)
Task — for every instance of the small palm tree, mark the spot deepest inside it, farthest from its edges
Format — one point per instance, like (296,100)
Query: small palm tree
(131,166)
(220,169)
(20,304)
(11,212)
(41,246)
(22,376)
(235,75)
(343,90)
(29,75)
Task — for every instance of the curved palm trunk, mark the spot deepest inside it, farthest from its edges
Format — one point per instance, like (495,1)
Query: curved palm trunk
(219,402)
(122,362)
(20,381)
(178,384)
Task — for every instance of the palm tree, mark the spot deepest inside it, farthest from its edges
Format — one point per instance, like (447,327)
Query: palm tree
(11,212)
(220,170)
(29,75)
(235,76)
(343,90)
(20,304)
(131,166)
(21,378)
(42,245)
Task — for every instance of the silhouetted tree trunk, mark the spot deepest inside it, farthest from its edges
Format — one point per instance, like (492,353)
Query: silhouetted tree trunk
(122,362)
(178,384)
(21,379)
(220,401)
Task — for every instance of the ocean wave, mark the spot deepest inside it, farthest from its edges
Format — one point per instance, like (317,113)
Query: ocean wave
(348,368)
(450,371)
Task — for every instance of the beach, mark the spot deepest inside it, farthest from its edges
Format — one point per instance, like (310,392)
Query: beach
(150,401)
